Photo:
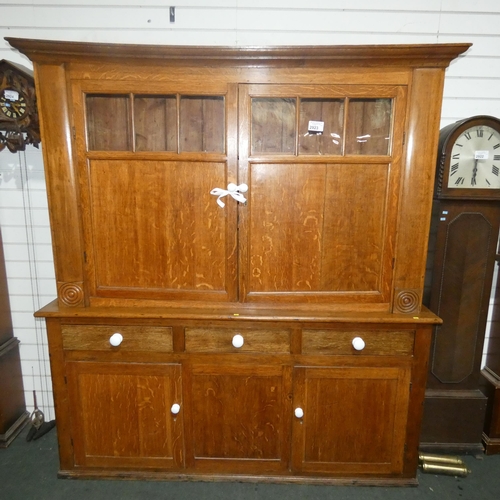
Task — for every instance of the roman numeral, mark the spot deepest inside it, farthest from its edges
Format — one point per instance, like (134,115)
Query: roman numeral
(454,169)
(496,157)
(496,146)
(487,182)
(473,181)
(468,136)
(495,170)
(479,133)
(456,156)
(459,145)
(459,181)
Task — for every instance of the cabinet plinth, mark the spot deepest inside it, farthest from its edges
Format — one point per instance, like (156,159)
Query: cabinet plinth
(240,238)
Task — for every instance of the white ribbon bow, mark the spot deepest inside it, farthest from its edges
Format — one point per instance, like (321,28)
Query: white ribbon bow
(232,190)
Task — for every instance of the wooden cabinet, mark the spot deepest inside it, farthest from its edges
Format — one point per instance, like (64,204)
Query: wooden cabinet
(239,217)
(13,414)
(491,374)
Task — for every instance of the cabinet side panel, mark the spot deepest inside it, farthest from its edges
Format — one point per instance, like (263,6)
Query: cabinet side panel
(61,181)
(417,186)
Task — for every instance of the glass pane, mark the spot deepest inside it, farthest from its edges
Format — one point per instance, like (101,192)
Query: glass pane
(273,125)
(155,120)
(202,123)
(369,127)
(321,126)
(108,124)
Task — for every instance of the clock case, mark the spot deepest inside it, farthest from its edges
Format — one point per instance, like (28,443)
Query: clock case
(461,258)
(447,137)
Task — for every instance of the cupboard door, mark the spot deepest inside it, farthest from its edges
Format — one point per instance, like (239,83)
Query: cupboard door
(354,419)
(240,417)
(148,164)
(323,168)
(122,415)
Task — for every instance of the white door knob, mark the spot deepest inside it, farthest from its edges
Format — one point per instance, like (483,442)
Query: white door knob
(238,341)
(358,343)
(116,339)
(299,412)
(176,408)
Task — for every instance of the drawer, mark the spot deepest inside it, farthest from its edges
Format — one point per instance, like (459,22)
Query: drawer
(221,340)
(376,342)
(135,338)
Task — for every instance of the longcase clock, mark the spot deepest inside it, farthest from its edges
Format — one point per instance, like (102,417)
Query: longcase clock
(466,222)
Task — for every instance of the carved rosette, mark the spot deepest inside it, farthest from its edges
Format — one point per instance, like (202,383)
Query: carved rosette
(70,294)
(407,301)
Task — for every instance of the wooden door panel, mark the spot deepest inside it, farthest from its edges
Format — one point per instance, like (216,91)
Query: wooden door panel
(240,417)
(122,414)
(354,419)
(315,229)
(163,235)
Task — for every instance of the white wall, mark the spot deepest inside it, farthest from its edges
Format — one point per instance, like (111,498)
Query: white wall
(472,87)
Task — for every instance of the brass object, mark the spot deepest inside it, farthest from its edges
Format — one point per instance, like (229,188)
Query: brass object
(441,459)
(443,464)
(448,469)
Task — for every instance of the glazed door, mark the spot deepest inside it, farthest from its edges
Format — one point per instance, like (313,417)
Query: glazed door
(124,414)
(152,156)
(240,417)
(323,168)
(350,420)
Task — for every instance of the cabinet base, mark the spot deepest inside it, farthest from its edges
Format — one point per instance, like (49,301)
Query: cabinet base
(491,434)
(172,476)
(14,430)
(491,445)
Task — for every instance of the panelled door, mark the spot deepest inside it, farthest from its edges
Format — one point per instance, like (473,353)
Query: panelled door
(152,155)
(122,414)
(323,165)
(353,419)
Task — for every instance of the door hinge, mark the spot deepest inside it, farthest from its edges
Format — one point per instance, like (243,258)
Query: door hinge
(85,257)
(74,132)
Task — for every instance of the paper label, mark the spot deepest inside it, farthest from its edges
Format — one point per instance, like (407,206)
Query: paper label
(481,155)
(315,126)
(11,95)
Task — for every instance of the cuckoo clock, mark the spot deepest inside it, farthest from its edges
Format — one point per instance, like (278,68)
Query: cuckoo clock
(18,112)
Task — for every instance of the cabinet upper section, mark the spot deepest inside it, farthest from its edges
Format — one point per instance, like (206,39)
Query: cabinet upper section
(337,146)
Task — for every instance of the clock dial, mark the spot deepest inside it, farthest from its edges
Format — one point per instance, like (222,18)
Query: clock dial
(13,104)
(475,159)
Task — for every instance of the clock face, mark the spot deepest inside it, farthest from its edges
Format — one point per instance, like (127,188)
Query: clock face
(13,104)
(475,159)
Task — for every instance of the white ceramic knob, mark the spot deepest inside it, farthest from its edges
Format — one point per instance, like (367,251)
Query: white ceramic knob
(116,339)
(176,408)
(238,341)
(358,343)
(299,412)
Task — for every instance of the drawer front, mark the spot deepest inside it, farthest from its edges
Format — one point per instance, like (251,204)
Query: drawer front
(223,340)
(135,338)
(374,342)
